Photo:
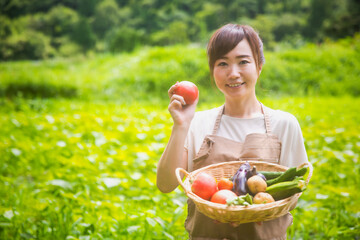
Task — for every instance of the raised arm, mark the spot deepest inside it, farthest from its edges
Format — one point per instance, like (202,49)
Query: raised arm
(174,155)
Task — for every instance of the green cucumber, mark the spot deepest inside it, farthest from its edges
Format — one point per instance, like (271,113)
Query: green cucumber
(270,175)
(286,189)
(288,175)
(301,172)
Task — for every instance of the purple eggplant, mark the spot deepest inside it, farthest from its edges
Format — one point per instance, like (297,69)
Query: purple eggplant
(239,179)
(254,172)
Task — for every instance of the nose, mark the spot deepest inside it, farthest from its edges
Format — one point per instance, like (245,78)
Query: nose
(234,71)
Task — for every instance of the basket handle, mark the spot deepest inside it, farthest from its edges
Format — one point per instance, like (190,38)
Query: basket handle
(310,171)
(178,176)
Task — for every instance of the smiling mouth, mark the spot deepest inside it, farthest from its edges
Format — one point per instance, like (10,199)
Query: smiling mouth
(234,85)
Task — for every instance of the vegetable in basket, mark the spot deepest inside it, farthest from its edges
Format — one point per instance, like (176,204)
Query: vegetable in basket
(204,185)
(240,179)
(286,189)
(254,172)
(270,174)
(262,198)
(243,200)
(288,175)
(222,196)
(256,184)
(242,176)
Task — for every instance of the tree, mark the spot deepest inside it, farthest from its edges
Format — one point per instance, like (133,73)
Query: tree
(212,14)
(288,25)
(106,17)
(124,39)
(5,27)
(175,33)
(86,7)
(60,21)
(345,20)
(83,35)
(27,45)
(320,10)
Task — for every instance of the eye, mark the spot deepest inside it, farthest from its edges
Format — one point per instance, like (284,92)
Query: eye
(220,64)
(243,62)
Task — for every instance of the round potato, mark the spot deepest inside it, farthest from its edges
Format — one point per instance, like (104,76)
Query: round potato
(263,197)
(256,184)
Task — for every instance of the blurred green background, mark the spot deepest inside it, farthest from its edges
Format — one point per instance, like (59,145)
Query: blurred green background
(33,29)
(83,109)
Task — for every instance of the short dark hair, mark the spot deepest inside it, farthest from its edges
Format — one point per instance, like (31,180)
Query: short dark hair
(227,37)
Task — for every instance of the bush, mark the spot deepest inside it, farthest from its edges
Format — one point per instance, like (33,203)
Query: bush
(38,90)
(176,33)
(60,21)
(106,17)
(264,25)
(5,27)
(288,25)
(68,48)
(328,69)
(28,45)
(124,39)
(83,35)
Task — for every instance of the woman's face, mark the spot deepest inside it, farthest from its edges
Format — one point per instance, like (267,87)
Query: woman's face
(235,73)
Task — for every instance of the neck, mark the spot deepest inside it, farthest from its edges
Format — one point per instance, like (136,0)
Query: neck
(244,108)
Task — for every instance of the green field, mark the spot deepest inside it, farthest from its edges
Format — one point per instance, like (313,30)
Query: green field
(78,162)
(79,170)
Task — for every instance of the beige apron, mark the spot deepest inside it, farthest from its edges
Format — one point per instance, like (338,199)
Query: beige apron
(216,149)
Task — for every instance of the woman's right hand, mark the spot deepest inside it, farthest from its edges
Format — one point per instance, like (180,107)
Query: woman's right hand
(181,113)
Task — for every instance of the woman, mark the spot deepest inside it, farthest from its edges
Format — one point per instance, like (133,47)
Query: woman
(242,128)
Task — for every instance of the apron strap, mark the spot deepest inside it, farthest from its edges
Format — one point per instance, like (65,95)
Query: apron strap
(218,120)
(266,118)
(221,112)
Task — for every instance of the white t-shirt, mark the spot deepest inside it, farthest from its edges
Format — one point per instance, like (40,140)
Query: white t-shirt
(284,125)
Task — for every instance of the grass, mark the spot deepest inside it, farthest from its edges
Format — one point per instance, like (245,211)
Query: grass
(330,69)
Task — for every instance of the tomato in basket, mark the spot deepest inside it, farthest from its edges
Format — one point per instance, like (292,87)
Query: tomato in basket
(225,183)
(204,185)
(222,195)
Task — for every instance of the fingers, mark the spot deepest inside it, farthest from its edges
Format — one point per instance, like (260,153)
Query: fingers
(234,224)
(174,97)
(172,89)
(177,98)
(174,105)
(216,222)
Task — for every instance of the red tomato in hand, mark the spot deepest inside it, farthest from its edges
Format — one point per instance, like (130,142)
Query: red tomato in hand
(204,185)
(225,183)
(188,91)
(222,195)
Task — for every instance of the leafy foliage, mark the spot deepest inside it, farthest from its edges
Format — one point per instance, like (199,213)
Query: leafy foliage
(173,22)
(327,69)
(124,39)
(27,45)
(332,143)
(70,172)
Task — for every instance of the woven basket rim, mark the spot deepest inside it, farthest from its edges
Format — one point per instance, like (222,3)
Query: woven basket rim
(254,207)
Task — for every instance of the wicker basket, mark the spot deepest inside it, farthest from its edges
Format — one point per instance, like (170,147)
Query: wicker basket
(239,214)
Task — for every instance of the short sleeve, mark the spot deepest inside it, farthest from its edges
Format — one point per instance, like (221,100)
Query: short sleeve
(293,152)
